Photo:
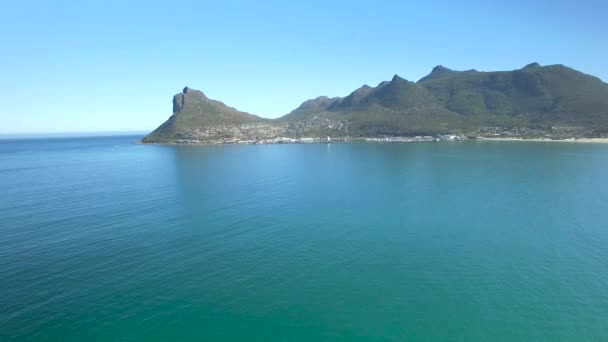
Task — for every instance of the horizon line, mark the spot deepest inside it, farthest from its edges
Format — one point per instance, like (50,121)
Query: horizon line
(70,134)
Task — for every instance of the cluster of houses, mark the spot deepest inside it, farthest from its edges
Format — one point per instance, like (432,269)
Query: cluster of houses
(555,132)
(315,124)
(426,138)
(510,132)
(305,131)
(281,140)
(312,140)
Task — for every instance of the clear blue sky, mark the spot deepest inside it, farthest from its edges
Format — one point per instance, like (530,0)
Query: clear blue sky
(115,65)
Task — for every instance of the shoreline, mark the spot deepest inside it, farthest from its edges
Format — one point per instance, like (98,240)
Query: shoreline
(571,140)
(373,141)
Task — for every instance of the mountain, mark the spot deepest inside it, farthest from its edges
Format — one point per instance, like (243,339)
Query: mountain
(193,110)
(540,99)
(534,96)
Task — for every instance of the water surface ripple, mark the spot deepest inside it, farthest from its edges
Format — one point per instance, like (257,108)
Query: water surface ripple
(102,239)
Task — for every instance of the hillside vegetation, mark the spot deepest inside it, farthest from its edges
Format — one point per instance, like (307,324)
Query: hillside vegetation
(445,101)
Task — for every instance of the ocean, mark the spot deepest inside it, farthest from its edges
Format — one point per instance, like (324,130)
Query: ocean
(103,239)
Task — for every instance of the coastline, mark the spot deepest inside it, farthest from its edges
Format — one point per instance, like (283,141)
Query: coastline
(571,140)
(384,141)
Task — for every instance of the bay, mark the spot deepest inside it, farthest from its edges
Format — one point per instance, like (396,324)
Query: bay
(103,239)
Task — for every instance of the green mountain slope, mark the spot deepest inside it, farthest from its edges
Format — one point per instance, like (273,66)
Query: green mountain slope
(193,110)
(445,101)
(533,96)
(462,101)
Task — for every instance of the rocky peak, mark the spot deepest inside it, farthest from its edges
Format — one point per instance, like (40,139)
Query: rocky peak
(319,102)
(438,72)
(396,78)
(532,65)
(188,94)
(364,90)
(357,95)
(440,69)
(397,81)
(190,91)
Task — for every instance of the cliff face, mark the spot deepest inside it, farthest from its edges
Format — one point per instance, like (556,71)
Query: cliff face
(445,101)
(187,96)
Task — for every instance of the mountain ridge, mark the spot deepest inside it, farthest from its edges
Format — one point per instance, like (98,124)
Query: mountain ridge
(444,101)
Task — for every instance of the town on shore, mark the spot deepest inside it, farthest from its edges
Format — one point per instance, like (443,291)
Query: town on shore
(257,133)
(308,140)
(548,103)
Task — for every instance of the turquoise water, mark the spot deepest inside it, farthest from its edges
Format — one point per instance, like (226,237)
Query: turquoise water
(102,239)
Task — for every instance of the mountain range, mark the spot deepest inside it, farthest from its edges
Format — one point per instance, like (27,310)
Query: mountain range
(535,97)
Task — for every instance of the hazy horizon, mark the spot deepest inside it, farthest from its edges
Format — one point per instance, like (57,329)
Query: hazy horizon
(74,134)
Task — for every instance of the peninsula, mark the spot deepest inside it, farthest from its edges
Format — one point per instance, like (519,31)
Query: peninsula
(534,102)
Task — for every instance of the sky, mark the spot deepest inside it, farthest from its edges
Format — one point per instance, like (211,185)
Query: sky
(93,66)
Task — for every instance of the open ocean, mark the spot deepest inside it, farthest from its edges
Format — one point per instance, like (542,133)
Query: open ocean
(102,239)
